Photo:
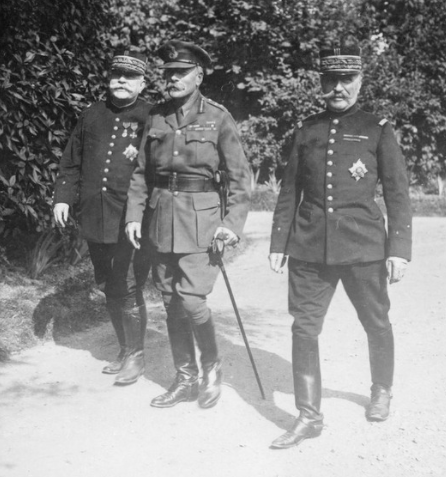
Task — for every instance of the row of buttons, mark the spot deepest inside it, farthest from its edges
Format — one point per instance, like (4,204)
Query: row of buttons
(109,153)
(330,163)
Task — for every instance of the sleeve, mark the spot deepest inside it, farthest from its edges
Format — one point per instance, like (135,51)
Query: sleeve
(68,178)
(231,153)
(287,202)
(393,176)
(138,192)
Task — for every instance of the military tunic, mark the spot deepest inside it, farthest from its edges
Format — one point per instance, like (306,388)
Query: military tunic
(204,141)
(182,223)
(326,211)
(97,165)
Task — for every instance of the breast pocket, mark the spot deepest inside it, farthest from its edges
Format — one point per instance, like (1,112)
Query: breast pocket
(202,144)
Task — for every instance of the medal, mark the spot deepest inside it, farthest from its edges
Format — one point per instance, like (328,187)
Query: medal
(126,125)
(134,127)
(358,170)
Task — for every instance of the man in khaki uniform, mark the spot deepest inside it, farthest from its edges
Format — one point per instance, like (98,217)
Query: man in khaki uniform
(189,142)
(327,222)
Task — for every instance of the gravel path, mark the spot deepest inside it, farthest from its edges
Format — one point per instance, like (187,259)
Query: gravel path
(59,416)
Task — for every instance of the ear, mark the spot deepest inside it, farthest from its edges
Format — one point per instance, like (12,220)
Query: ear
(199,78)
(142,86)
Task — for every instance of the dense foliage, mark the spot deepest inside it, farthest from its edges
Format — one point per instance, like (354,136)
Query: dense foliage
(54,58)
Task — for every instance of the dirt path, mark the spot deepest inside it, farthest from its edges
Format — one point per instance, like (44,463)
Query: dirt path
(59,416)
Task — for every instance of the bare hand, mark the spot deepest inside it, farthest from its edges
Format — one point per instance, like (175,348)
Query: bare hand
(277,261)
(227,236)
(133,232)
(396,268)
(61,212)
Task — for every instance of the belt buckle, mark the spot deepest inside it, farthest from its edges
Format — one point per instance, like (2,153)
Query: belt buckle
(173,182)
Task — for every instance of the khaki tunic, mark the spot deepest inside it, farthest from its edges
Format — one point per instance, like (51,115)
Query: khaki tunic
(206,140)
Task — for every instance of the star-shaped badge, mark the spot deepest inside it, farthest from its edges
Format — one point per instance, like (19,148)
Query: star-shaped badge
(358,170)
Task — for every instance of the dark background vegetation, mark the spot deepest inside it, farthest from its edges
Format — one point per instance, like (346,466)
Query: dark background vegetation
(54,58)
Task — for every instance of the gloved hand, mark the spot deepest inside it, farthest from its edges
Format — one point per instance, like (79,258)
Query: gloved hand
(277,261)
(227,236)
(396,267)
(61,213)
(133,232)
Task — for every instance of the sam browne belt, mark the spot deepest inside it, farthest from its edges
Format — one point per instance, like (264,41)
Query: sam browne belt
(175,182)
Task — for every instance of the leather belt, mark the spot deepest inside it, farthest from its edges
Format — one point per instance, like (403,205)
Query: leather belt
(175,182)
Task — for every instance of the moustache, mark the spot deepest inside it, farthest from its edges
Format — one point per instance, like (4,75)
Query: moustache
(333,94)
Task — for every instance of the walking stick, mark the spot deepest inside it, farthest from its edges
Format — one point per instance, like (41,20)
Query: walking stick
(217,248)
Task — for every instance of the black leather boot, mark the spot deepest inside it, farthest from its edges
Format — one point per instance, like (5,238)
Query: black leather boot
(114,309)
(210,388)
(135,323)
(307,391)
(185,386)
(382,359)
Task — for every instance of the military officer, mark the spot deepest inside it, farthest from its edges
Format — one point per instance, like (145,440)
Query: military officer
(188,143)
(97,165)
(328,224)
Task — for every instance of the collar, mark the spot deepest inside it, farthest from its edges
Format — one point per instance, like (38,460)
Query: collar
(334,114)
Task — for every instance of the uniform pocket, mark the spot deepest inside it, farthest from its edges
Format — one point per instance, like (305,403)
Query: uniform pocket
(202,136)
(207,212)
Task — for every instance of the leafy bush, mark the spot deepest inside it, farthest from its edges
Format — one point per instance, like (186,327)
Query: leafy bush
(52,65)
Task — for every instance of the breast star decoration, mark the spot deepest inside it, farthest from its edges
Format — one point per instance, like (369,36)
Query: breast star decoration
(131,152)
(358,170)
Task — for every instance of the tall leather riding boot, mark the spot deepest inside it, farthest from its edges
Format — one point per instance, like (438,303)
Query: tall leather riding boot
(135,323)
(210,388)
(114,309)
(307,391)
(185,386)
(382,359)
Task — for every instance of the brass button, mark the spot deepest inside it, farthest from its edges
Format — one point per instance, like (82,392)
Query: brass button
(330,198)
(332,131)
(329,186)
(115,128)
(329,163)
(109,153)
(178,132)
(330,152)
(112,144)
(330,209)
(104,189)
(329,174)
(331,141)
(117,119)
(107,161)
(105,170)
(175,193)
(335,121)
(113,136)
(175,153)
(104,179)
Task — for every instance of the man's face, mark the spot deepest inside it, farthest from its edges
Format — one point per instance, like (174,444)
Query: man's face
(340,91)
(125,87)
(182,82)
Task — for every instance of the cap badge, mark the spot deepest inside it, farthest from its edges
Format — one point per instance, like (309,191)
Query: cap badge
(172,54)
(358,170)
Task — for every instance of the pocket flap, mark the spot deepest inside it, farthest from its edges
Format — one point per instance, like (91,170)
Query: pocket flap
(206,200)
(202,136)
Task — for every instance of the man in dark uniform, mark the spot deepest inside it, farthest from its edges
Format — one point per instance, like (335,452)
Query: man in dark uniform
(188,143)
(97,165)
(327,222)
